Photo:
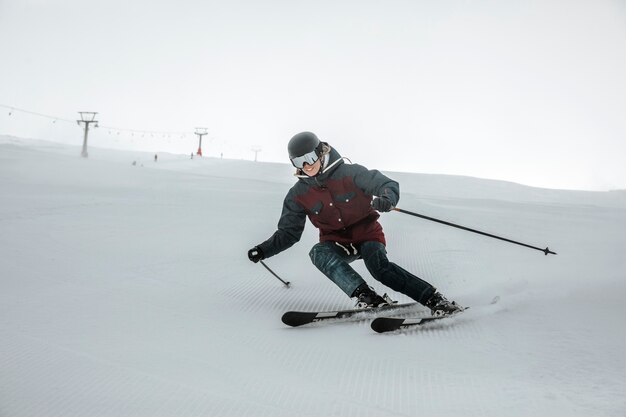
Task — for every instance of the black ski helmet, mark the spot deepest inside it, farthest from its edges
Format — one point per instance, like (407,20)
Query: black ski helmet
(303,143)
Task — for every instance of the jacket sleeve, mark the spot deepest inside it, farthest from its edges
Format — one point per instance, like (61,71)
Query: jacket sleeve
(290,228)
(373,182)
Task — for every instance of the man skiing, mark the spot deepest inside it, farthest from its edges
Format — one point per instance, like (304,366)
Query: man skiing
(337,199)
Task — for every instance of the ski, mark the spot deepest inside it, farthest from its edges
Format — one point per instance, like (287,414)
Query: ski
(390,324)
(299,318)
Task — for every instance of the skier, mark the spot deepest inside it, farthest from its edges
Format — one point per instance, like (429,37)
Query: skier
(337,199)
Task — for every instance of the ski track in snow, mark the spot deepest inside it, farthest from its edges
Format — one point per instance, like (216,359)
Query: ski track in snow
(126,291)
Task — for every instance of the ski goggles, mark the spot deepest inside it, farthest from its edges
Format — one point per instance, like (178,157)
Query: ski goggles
(309,158)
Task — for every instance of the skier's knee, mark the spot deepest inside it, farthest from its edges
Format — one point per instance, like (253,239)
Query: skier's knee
(321,254)
(377,262)
(315,252)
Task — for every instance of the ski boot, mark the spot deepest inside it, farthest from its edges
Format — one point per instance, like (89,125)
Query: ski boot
(440,306)
(367,298)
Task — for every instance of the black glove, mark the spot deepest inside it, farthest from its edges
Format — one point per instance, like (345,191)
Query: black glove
(382,204)
(255,254)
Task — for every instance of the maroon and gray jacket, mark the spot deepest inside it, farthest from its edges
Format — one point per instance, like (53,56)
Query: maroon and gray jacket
(337,202)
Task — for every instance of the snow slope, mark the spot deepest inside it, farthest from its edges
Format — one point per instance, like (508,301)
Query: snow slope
(126,291)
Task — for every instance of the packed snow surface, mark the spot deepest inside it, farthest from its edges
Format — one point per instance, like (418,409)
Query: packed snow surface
(125,290)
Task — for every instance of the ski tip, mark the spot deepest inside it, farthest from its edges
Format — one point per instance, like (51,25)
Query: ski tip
(297,318)
(386,324)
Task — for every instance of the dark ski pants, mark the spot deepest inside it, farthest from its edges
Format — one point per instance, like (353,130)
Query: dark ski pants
(333,260)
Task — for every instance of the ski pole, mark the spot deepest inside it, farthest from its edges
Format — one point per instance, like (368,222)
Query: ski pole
(546,251)
(273,273)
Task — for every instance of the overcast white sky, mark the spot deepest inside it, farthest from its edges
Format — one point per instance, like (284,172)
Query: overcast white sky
(526,91)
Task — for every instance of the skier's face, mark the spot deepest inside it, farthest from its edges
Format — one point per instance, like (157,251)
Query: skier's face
(312,170)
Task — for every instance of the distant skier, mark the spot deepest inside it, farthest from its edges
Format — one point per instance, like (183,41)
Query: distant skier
(155,157)
(337,198)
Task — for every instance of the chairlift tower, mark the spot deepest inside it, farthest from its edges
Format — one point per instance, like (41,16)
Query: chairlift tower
(256,153)
(200,131)
(86,118)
